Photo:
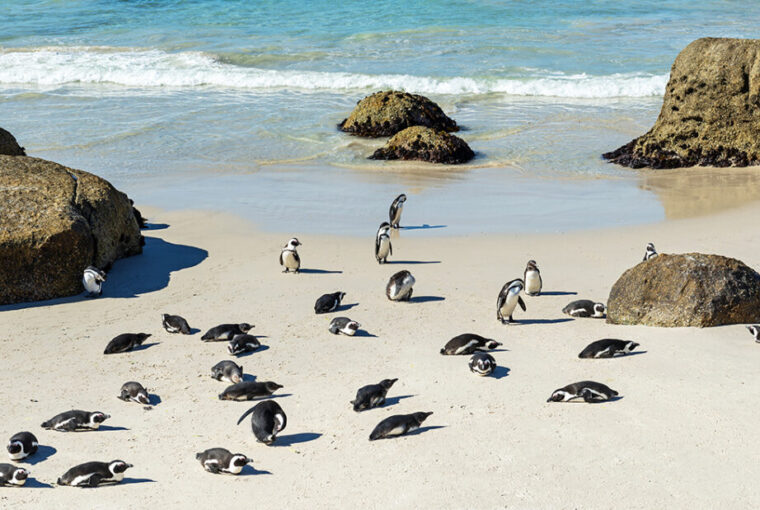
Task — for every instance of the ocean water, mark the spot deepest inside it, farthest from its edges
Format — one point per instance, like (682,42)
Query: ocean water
(233,104)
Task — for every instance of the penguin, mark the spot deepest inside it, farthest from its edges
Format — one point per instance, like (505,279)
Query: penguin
(399,286)
(372,395)
(134,392)
(589,391)
(289,258)
(585,308)
(22,445)
(125,342)
(226,332)
(92,280)
(607,348)
(328,302)
(74,420)
(12,475)
(755,331)
(468,343)
(383,246)
(175,324)
(344,325)
(221,460)
(482,364)
(268,420)
(249,390)
(532,278)
(92,474)
(394,212)
(227,371)
(240,344)
(508,299)
(398,425)
(650,253)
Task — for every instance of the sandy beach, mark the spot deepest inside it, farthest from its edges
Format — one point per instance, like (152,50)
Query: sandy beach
(682,435)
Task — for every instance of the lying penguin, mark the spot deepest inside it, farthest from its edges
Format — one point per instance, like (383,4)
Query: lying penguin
(267,420)
(92,474)
(226,332)
(133,391)
(482,364)
(227,371)
(372,395)
(607,348)
(12,475)
(175,324)
(589,391)
(125,342)
(221,460)
(585,308)
(344,325)
(74,420)
(468,343)
(249,390)
(22,445)
(398,425)
(241,344)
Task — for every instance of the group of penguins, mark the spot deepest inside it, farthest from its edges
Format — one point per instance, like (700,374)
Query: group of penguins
(267,417)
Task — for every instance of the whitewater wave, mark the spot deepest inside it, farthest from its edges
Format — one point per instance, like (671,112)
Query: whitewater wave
(55,66)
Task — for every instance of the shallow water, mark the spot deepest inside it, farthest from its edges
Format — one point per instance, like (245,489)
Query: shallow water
(233,105)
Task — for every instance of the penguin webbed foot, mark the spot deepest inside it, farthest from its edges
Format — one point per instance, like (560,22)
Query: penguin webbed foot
(93,482)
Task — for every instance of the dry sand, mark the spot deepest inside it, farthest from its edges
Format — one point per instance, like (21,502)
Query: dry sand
(682,435)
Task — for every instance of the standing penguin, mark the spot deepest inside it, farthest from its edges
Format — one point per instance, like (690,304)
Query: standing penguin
(92,474)
(12,475)
(227,371)
(22,445)
(134,392)
(289,258)
(755,332)
(372,395)
(650,253)
(175,324)
(268,420)
(328,302)
(590,391)
(125,342)
(398,425)
(532,278)
(383,243)
(395,211)
(221,460)
(399,286)
(92,280)
(508,299)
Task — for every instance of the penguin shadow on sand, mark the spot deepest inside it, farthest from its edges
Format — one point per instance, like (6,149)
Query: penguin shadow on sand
(424,429)
(556,293)
(260,348)
(395,400)
(142,347)
(500,372)
(129,481)
(33,483)
(110,428)
(344,307)
(43,453)
(424,226)
(291,439)
(154,400)
(362,333)
(249,470)
(527,322)
(426,299)
(318,271)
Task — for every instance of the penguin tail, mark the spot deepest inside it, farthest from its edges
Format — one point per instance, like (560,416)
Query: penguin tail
(443,351)
(245,414)
(198,456)
(60,482)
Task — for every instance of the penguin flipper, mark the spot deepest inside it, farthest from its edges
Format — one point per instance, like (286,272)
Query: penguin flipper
(521,303)
(245,414)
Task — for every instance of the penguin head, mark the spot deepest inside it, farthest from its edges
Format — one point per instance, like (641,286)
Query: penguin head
(531,266)
(755,331)
(599,309)
(340,295)
(384,228)
(141,337)
(98,417)
(650,247)
(401,198)
(630,346)
(559,395)
(19,476)
(14,447)
(293,243)
(387,383)
(240,460)
(273,386)
(118,466)
(245,327)
(420,417)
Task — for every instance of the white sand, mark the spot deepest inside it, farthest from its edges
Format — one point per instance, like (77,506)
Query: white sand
(683,435)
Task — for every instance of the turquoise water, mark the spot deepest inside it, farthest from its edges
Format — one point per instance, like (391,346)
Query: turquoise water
(232,104)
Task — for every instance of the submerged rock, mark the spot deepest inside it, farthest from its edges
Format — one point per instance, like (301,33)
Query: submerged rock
(425,144)
(8,144)
(711,111)
(54,222)
(686,290)
(386,113)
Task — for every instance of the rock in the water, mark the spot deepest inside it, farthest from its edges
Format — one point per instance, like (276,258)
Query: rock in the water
(711,112)
(8,144)
(425,144)
(387,113)
(686,290)
(54,222)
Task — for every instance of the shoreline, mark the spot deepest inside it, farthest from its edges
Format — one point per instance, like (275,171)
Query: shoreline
(213,268)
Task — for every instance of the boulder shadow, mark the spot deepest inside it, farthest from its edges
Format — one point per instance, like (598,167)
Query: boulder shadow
(33,483)
(291,439)
(319,271)
(152,270)
(44,452)
(426,299)
(500,372)
(556,293)
(539,321)
(425,429)
(395,400)
(155,226)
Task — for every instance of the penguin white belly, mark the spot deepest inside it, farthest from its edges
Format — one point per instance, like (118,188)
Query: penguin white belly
(398,291)
(397,216)
(117,477)
(290,260)
(17,456)
(234,470)
(91,285)
(397,430)
(509,305)
(81,480)
(532,282)
(385,247)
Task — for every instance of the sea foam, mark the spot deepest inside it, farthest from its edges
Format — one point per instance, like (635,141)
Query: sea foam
(138,68)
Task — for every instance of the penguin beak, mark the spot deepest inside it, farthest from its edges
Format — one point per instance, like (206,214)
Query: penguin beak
(129,465)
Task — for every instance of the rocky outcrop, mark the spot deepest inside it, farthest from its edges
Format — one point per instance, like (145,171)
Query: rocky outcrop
(711,111)
(387,113)
(425,144)
(686,290)
(54,222)
(9,146)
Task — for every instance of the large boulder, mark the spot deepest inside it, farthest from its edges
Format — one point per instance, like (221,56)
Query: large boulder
(54,222)
(686,290)
(386,113)
(8,144)
(711,112)
(425,144)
